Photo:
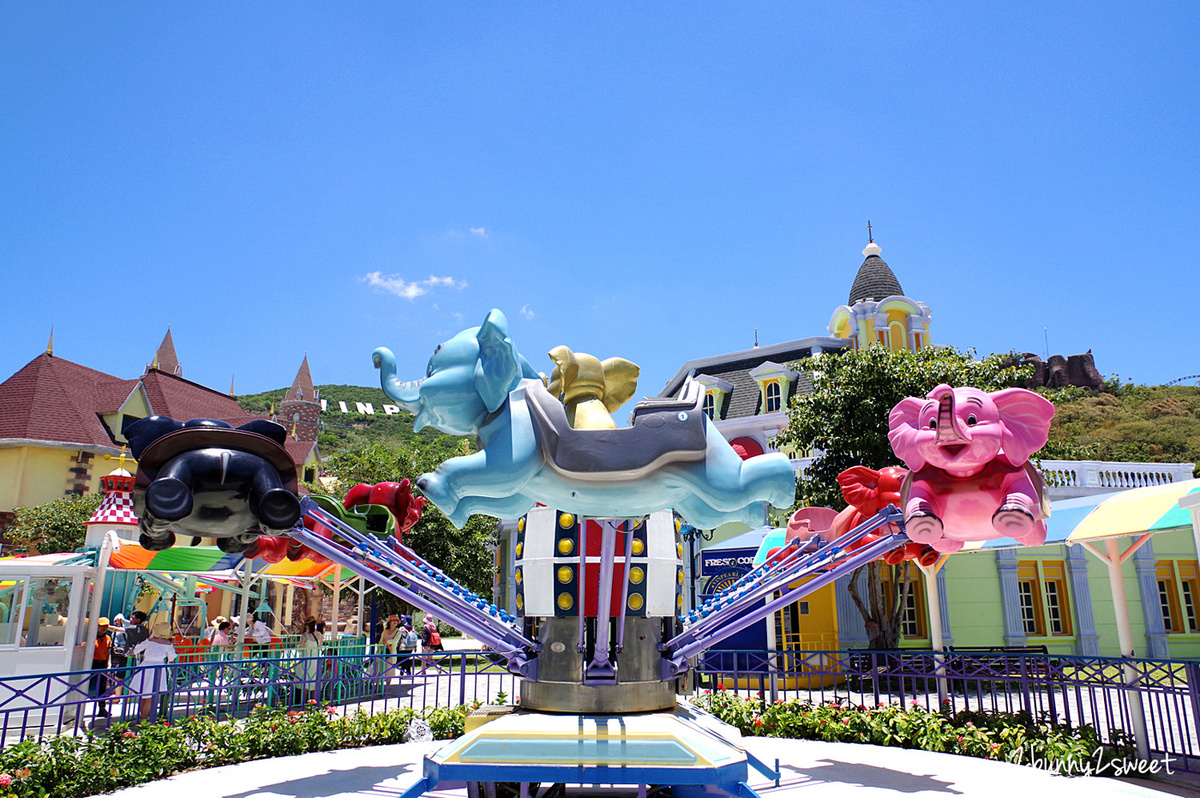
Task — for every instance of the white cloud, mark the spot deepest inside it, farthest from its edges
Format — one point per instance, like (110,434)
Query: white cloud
(479,231)
(526,312)
(395,285)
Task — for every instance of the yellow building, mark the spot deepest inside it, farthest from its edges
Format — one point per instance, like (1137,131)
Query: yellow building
(878,312)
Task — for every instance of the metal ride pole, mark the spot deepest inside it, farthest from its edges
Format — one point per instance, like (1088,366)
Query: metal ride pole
(625,588)
(601,668)
(580,602)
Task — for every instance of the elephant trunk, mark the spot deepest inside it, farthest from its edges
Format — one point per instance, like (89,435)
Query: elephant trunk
(405,394)
(948,428)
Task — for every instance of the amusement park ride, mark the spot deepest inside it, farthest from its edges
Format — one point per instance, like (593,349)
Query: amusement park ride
(600,638)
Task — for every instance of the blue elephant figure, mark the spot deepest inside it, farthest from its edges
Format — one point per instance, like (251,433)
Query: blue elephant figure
(671,456)
(205,478)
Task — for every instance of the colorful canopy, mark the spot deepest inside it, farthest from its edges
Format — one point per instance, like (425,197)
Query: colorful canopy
(1129,512)
(210,559)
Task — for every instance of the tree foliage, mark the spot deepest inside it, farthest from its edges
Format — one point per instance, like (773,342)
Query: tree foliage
(51,528)
(464,554)
(845,419)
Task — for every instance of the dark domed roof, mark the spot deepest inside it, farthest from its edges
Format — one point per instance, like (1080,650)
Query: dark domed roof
(874,279)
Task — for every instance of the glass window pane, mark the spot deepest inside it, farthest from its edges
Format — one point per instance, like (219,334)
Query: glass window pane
(10,610)
(47,603)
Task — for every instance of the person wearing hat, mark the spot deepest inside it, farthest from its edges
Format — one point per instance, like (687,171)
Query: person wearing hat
(390,640)
(100,654)
(152,678)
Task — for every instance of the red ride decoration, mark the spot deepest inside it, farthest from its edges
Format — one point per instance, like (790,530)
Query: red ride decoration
(268,547)
(397,497)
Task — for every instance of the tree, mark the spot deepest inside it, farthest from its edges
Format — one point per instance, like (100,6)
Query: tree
(464,554)
(51,528)
(845,419)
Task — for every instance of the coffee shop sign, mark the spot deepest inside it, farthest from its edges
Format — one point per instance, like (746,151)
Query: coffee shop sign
(360,407)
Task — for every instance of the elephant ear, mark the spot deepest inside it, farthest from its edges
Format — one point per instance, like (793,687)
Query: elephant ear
(145,431)
(565,369)
(499,366)
(903,429)
(620,382)
(268,429)
(1026,418)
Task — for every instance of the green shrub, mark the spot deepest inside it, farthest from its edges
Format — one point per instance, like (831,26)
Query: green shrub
(1012,737)
(71,767)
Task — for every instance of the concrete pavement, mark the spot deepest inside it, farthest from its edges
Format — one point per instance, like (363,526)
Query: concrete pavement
(810,770)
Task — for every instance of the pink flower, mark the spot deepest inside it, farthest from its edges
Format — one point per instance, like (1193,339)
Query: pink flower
(129,734)
(23,773)
(758,721)
(720,687)
(846,721)
(292,713)
(5,779)
(312,700)
(916,705)
(331,710)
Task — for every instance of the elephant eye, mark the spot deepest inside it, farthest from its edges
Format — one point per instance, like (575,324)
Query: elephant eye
(971,420)
(933,423)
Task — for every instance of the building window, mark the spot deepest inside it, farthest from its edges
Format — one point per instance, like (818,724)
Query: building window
(912,614)
(709,404)
(1043,598)
(773,397)
(1178,589)
(882,337)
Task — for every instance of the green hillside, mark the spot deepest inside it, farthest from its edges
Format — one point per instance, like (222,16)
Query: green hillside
(1136,423)
(353,430)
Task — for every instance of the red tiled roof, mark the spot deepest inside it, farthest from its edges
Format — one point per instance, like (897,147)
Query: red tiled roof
(55,400)
(52,399)
(182,399)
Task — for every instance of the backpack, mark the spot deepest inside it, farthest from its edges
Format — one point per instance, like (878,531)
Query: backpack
(435,639)
(120,647)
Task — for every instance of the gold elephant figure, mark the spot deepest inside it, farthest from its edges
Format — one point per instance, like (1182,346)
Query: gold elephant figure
(590,388)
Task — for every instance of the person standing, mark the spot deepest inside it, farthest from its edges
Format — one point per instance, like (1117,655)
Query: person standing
(390,640)
(407,648)
(431,641)
(100,655)
(310,649)
(152,679)
(135,630)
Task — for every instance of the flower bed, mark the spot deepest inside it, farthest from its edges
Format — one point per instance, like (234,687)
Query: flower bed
(1011,737)
(74,767)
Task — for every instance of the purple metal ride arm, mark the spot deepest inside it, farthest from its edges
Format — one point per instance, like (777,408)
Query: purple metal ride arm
(801,560)
(735,625)
(408,566)
(625,588)
(741,594)
(470,618)
(600,668)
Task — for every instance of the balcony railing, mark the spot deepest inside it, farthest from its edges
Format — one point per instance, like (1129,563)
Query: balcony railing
(1112,476)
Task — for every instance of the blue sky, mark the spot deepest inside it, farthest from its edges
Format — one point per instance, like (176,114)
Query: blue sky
(648,180)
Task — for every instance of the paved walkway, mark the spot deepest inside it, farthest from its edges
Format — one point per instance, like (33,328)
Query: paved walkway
(810,770)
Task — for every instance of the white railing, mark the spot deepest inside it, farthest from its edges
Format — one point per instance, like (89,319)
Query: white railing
(1096,474)
(1112,476)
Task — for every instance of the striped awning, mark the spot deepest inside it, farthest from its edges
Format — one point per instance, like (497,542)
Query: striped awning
(210,560)
(1128,512)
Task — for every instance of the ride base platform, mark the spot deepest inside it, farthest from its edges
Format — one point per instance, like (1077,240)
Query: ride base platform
(518,754)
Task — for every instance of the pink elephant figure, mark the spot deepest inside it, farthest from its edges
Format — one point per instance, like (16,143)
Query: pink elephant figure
(967,452)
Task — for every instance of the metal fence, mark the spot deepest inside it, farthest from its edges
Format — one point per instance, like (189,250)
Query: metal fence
(81,701)
(1102,692)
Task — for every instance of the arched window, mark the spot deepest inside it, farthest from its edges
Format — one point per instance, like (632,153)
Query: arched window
(773,403)
(710,404)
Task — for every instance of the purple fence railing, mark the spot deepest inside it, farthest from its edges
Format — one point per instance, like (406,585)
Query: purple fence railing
(80,701)
(1096,691)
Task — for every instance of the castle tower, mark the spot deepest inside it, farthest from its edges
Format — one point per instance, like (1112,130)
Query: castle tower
(878,312)
(300,409)
(115,511)
(165,358)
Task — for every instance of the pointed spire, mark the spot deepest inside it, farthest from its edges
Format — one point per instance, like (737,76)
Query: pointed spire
(302,386)
(165,358)
(232,395)
(50,346)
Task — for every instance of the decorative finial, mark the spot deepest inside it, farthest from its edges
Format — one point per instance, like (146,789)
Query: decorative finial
(872,248)
(231,393)
(50,346)
(756,338)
